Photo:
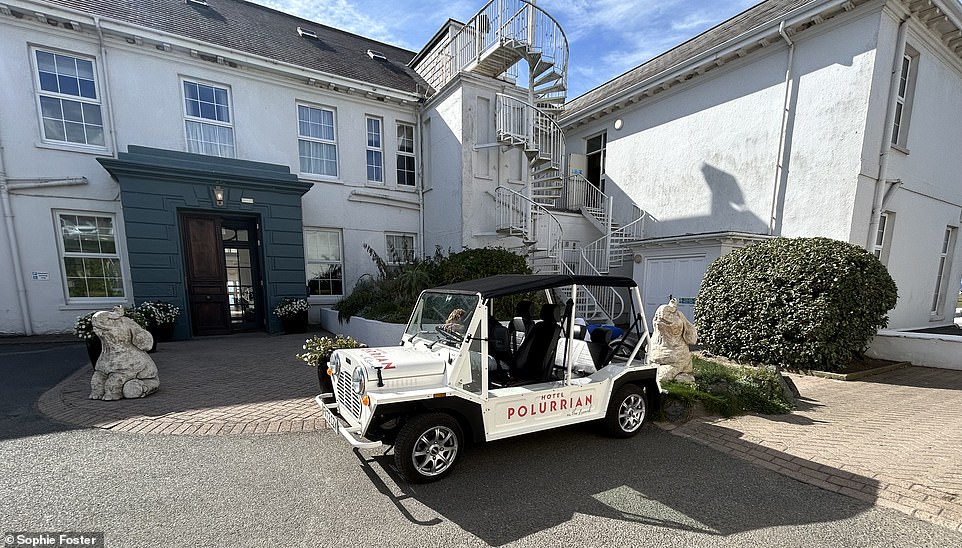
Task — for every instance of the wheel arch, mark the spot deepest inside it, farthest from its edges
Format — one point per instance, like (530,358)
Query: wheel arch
(467,413)
(645,378)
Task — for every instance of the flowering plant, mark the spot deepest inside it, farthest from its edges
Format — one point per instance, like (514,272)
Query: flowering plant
(83,328)
(317,350)
(157,312)
(291,307)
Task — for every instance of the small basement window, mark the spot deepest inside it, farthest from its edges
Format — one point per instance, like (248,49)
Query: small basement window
(376,55)
(306,33)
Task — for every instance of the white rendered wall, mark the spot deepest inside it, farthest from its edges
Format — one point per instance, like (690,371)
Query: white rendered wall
(145,89)
(930,197)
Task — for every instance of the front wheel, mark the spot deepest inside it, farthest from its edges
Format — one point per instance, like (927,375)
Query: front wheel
(427,447)
(627,411)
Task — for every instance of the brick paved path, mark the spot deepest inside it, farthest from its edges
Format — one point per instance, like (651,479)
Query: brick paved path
(239,384)
(893,439)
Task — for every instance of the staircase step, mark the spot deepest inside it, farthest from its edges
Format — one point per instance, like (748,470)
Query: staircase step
(547,76)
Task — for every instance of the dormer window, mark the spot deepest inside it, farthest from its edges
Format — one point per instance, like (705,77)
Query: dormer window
(306,33)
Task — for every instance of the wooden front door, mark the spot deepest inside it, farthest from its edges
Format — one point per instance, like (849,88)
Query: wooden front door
(223,281)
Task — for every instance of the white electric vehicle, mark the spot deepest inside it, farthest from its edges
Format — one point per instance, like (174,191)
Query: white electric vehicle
(460,376)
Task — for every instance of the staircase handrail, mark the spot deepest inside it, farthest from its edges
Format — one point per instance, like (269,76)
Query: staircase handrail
(538,129)
(499,21)
(605,298)
(516,202)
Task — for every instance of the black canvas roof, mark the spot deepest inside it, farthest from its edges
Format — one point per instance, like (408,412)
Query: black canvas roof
(512,284)
(262,31)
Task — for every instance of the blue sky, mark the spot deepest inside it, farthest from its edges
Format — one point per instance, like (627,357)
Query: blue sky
(605,37)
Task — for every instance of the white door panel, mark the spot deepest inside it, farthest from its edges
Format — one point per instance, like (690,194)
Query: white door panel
(678,277)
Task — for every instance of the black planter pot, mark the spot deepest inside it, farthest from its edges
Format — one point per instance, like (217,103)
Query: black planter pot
(324,381)
(162,332)
(295,324)
(94,348)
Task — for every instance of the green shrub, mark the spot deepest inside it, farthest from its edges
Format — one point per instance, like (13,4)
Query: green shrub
(807,303)
(732,390)
(391,295)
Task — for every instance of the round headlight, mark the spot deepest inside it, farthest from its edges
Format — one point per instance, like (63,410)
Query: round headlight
(334,364)
(358,380)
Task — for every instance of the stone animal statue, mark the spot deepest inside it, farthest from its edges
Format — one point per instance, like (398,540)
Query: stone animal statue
(124,370)
(669,344)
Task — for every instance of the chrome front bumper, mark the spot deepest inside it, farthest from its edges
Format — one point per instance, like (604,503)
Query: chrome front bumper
(334,422)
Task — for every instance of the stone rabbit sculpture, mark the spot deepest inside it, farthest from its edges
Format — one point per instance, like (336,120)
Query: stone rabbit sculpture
(124,369)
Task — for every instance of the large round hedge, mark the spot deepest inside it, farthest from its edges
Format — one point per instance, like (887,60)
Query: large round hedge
(807,303)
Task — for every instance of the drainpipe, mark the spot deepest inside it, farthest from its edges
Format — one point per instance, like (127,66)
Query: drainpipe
(783,130)
(106,88)
(14,249)
(420,157)
(886,147)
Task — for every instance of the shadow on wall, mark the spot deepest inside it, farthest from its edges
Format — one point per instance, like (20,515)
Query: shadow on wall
(729,212)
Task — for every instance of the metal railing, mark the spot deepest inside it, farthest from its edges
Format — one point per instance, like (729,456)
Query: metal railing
(524,123)
(534,224)
(512,23)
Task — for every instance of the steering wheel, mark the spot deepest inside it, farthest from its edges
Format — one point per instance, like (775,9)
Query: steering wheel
(449,336)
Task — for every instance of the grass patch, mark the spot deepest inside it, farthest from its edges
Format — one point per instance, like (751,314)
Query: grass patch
(732,390)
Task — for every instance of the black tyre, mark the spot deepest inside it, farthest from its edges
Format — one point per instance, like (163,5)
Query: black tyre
(427,447)
(627,411)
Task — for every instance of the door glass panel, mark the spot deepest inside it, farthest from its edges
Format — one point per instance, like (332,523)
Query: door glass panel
(240,287)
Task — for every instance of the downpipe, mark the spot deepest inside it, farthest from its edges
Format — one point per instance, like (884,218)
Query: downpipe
(885,150)
(783,130)
(14,248)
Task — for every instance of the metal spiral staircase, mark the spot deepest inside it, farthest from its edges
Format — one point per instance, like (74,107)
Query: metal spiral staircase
(493,43)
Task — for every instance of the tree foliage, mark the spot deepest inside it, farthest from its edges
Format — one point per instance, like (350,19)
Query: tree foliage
(806,303)
(391,295)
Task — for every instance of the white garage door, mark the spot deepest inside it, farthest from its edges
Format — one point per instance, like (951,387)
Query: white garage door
(678,277)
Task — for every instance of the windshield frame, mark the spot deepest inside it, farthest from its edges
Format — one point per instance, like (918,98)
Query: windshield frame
(434,309)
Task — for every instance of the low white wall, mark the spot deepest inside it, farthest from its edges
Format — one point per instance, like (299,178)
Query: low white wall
(943,351)
(370,332)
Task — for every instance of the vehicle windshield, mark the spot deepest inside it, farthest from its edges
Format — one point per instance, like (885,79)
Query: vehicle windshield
(442,317)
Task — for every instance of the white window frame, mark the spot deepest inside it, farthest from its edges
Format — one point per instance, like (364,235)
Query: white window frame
(202,147)
(60,97)
(602,154)
(883,237)
(308,261)
(65,254)
(943,273)
(904,95)
(374,151)
(394,257)
(301,137)
(407,155)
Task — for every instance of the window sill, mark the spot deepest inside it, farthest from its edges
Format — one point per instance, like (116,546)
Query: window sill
(316,178)
(934,318)
(94,305)
(69,147)
(902,149)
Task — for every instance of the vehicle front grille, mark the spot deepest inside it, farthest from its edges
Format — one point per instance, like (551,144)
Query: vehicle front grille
(346,395)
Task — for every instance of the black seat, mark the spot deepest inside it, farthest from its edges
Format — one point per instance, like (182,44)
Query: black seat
(498,345)
(523,322)
(600,347)
(535,357)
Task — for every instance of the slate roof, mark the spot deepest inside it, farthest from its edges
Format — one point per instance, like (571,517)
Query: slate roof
(749,19)
(262,31)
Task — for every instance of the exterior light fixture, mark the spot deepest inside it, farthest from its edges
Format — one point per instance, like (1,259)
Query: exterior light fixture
(218,195)
(619,123)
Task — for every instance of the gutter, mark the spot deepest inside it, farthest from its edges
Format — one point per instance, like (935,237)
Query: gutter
(886,148)
(783,130)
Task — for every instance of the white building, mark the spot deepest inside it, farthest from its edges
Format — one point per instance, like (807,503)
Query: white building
(221,155)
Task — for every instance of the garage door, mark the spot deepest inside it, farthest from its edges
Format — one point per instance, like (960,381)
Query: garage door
(678,277)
